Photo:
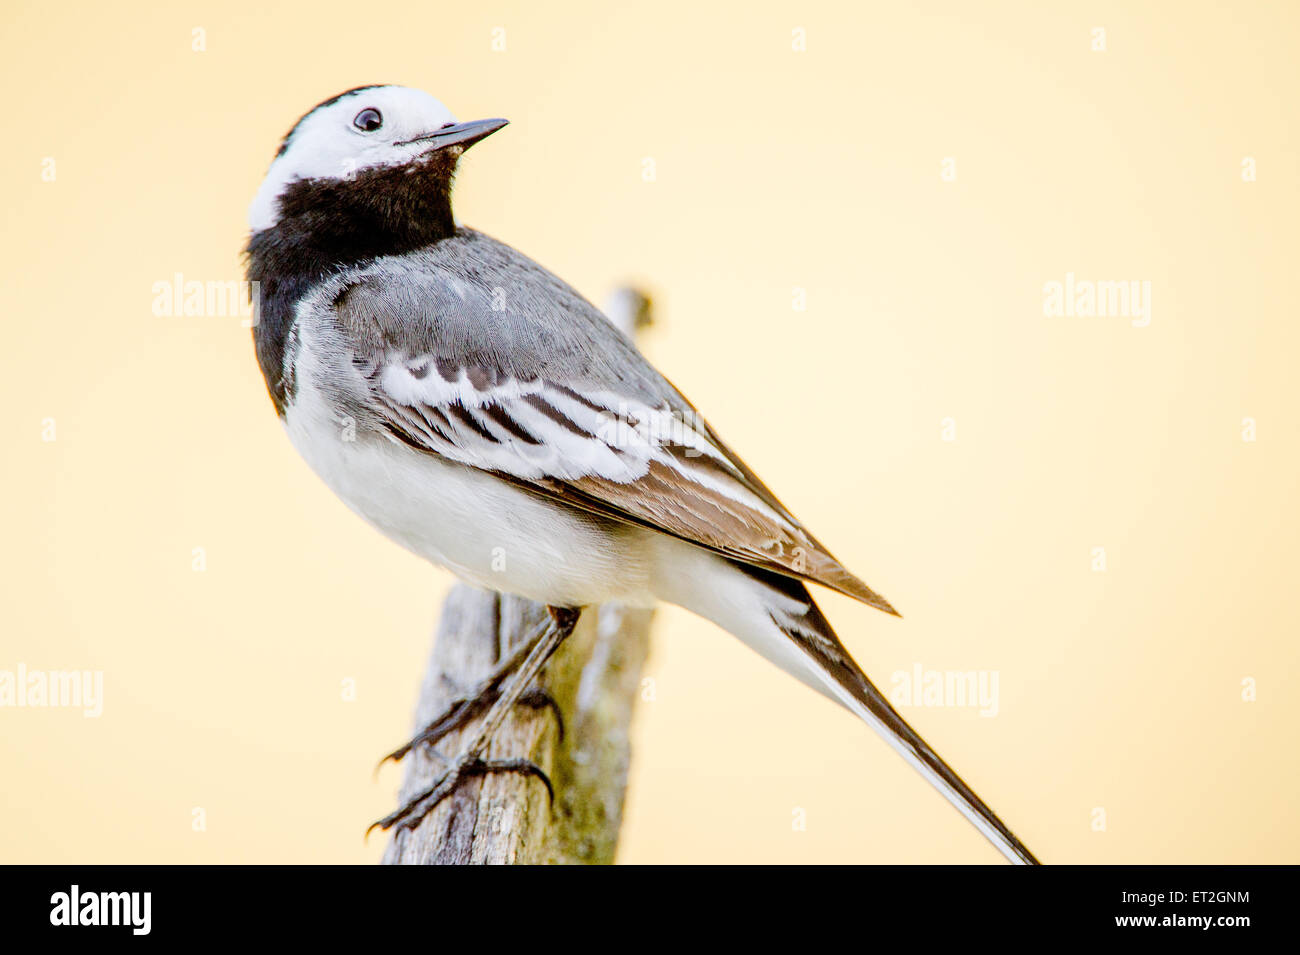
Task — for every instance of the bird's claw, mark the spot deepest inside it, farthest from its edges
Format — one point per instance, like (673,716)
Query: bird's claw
(465,708)
(463,767)
(538,698)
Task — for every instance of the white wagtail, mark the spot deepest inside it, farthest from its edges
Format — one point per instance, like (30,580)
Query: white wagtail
(472,406)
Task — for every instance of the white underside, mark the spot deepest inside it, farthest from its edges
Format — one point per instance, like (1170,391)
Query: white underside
(495,535)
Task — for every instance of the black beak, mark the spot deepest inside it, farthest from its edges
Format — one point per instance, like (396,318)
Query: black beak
(464,135)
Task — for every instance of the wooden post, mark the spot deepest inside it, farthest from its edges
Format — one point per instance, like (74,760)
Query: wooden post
(595,677)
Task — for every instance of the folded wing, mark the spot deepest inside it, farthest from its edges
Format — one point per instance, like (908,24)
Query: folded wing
(513,372)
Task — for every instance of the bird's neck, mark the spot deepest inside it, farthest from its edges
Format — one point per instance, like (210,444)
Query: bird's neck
(325,225)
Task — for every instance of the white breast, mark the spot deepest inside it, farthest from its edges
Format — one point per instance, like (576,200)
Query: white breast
(488,532)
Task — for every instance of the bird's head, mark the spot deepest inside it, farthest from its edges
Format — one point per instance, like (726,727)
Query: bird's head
(374,157)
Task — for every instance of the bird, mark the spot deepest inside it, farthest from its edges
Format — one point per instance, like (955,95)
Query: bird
(469,404)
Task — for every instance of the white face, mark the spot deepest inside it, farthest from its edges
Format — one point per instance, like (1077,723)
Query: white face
(339,140)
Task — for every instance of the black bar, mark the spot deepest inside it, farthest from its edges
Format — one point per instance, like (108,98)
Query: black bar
(334,904)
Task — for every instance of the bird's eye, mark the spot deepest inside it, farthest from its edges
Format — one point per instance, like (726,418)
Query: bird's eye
(368,120)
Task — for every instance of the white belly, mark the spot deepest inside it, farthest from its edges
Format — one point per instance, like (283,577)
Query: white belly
(486,531)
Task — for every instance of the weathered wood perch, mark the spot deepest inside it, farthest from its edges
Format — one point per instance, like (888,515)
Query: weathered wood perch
(594,677)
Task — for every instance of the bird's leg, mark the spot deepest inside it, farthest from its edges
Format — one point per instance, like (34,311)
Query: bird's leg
(470,762)
(467,706)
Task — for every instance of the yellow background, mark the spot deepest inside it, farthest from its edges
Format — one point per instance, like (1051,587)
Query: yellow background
(1119,690)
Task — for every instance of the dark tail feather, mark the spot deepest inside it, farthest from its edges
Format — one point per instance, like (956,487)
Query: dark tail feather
(814,635)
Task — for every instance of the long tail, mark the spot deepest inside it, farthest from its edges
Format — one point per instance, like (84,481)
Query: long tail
(776,616)
(812,633)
